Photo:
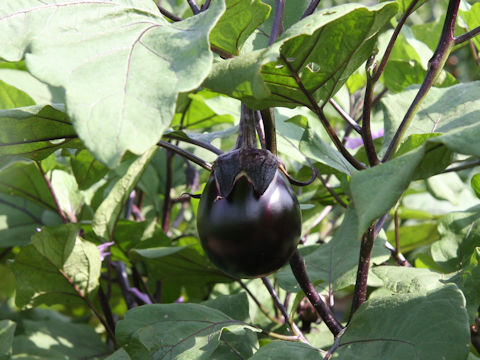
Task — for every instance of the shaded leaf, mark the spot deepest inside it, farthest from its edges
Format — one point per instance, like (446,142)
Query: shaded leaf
(7,329)
(122,48)
(108,212)
(414,236)
(87,169)
(175,331)
(475,182)
(267,77)
(58,267)
(412,326)
(287,350)
(34,132)
(240,19)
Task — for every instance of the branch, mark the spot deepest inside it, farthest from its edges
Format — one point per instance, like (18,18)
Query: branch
(166,208)
(467,36)
(393,39)
(310,9)
(268,119)
(193,5)
(360,292)
(277,27)
(186,154)
(464,166)
(167,13)
(298,268)
(436,64)
(355,126)
(189,140)
(367,111)
(282,309)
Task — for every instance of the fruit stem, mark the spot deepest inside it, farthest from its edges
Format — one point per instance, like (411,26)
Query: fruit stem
(247,134)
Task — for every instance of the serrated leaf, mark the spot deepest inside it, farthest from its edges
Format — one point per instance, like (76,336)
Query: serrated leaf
(34,132)
(58,267)
(105,62)
(175,331)
(240,19)
(269,77)
(412,326)
(109,210)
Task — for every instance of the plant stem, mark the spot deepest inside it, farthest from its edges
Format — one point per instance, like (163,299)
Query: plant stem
(173,136)
(466,165)
(298,268)
(467,36)
(167,13)
(320,114)
(436,64)
(360,292)
(355,126)
(260,306)
(367,111)
(166,208)
(107,311)
(277,27)
(311,8)
(283,310)
(268,119)
(247,132)
(186,154)
(391,43)
(193,5)
(52,193)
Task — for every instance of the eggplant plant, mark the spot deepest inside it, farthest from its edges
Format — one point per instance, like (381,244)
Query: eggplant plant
(239,179)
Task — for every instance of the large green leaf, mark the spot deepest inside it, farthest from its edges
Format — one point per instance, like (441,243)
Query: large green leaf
(58,267)
(86,169)
(336,260)
(472,18)
(443,110)
(11,97)
(427,325)
(240,19)
(122,64)
(109,210)
(34,132)
(175,331)
(287,350)
(303,54)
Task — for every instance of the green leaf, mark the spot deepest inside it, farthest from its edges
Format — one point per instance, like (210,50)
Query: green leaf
(58,267)
(399,75)
(472,17)
(475,182)
(86,169)
(120,354)
(181,264)
(444,110)
(414,236)
(18,220)
(175,331)
(25,180)
(120,47)
(268,77)
(38,91)
(412,326)
(404,280)
(7,329)
(240,19)
(34,132)
(467,280)
(287,350)
(74,340)
(69,198)
(11,97)
(459,236)
(336,260)
(109,210)
(236,306)
(315,148)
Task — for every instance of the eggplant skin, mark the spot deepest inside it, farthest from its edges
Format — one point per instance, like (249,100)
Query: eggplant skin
(246,235)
